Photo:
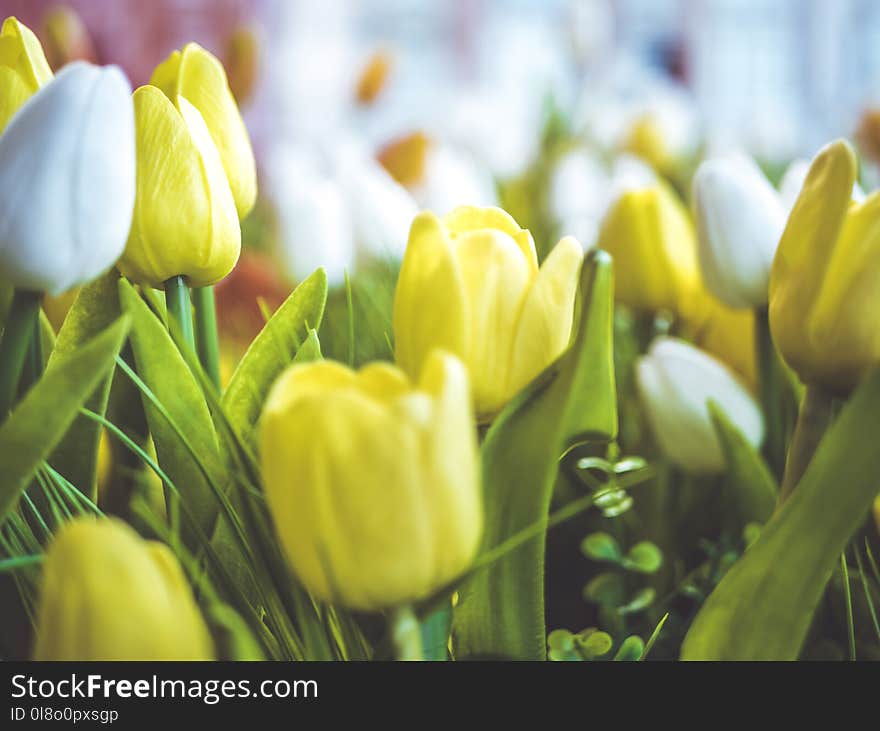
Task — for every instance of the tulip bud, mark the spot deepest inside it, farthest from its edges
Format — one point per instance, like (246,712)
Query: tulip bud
(67,38)
(729,335)
(372,480)
(23,68)
(185,221)
(649,234)
(198,77)
(739,221)
(67,180)
(470,284)
(825,280)
(107,594)
(676,381)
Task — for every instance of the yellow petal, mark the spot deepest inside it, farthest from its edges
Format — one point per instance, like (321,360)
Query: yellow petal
(805,251)
(496,279)
(842,326)
(15,93)
(472,218)
(23,68)
(198,76)
(451,457)
(21,51)
(429,305)
(185,221)
(545,325)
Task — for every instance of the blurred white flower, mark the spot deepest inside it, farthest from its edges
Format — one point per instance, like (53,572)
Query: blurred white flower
(336,207)
(67,180)
(453,178)
(739,218)
(676,381)
(582,189)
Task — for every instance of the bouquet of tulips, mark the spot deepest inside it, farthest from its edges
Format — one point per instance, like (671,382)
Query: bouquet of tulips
(322,502)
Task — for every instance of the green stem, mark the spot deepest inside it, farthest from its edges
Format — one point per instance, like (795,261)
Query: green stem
(180,308)
(435,633)
(17,335)
(814,418)
(206,332)
(770,384)
(406,634)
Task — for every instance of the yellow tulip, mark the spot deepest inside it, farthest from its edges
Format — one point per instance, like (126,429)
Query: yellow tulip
(185,220)
(470,284)
(373,480)
(646,140)
(197,76)
(825,279)
(651,237)
(107,594)
(729,335)
(23,68)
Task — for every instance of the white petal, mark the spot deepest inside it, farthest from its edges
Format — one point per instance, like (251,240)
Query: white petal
(67,180)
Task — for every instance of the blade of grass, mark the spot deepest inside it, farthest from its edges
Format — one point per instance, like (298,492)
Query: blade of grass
(847,593)
(867,589)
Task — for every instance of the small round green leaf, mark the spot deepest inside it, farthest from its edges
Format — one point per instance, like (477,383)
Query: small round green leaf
(601,547)
(631,649)
(644,557)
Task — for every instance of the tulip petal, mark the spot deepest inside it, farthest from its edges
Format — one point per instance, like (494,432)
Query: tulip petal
(429,303)
(451,453)
(805,250)
(21,50)
(185,218)
(473,218)
(198,77)
(496,279)
(15,93)
(544,327)
(841,325)
(67,176)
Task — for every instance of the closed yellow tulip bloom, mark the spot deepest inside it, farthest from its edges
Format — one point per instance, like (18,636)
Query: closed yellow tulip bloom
(185,220)
(470,284)
(373,480)
(198,76)
(825,279)
(23,67)
(729,335)
(108,594)
(650,235)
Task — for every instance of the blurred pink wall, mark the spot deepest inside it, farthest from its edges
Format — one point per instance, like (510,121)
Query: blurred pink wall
(138,34)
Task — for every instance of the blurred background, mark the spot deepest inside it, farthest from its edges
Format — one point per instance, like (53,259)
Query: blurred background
(363,111)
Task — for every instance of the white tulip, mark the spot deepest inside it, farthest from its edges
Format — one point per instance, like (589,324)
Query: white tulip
(740,219)
(676,381)
(453,178)
(67,180)
(337,206)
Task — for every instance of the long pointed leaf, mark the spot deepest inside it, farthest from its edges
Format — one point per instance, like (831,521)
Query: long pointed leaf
(44,415)
(501,610)
(762,608)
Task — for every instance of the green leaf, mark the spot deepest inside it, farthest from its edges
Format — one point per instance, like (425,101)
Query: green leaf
(592,643)
(163,369)
(272,351)
(601,547)
(42,418)
(644,557)
(751,490)
(606,589)
(501,609)
(630,650)
(641,601)
(95,307)
(762,608)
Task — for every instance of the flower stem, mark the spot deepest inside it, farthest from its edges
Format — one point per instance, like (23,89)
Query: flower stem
(770,384)
(180,308)
(206,332)
(814,418)
(17,335)
(406,634)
